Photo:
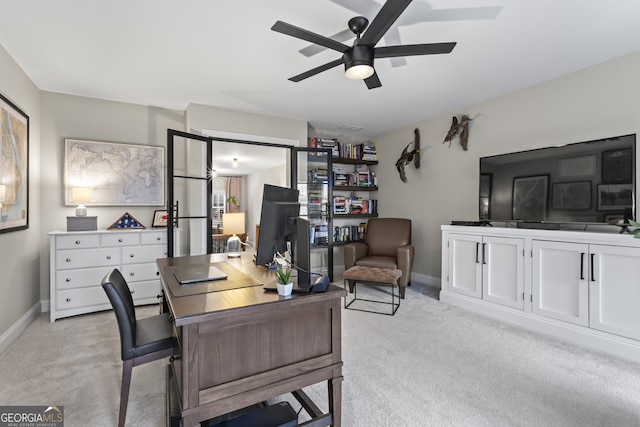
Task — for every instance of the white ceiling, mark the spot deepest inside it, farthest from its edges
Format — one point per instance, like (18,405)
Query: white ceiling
(171,53)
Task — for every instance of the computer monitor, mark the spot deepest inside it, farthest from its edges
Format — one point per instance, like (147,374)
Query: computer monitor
(280,208)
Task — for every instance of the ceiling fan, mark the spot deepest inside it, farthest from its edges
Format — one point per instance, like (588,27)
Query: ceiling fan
(358,59)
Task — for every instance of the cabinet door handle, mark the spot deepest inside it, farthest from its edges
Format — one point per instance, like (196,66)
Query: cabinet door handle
(593,278)
(484,254)
(477,252)
(581,265)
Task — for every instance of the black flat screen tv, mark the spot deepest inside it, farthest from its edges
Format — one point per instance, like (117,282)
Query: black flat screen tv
(587,182)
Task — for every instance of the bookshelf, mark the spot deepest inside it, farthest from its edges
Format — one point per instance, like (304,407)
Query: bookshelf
(354,185)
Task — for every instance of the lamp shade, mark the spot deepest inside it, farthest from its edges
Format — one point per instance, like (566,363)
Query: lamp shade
(233,223)
(80,195)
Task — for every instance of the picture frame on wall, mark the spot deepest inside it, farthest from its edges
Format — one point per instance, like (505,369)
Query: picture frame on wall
(571,195)
(529,198)
(581,166)
(115,174)
(615,196)
(14,167)
(160,218)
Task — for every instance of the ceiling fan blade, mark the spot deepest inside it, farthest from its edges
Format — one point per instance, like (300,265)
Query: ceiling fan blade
(317,70)
(301,33)
(312,49)
(413,49)
(373,81)
(388,14)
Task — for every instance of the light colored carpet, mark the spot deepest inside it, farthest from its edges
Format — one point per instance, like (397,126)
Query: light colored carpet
(429,365)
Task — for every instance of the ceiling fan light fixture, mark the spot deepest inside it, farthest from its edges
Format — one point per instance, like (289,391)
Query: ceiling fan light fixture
(359,72)
(358,62)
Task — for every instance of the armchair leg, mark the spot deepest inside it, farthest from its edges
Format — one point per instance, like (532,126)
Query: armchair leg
(127,367)
(352,284)
(401,289)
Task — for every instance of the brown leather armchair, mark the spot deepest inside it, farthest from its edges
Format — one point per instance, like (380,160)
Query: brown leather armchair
(387,245)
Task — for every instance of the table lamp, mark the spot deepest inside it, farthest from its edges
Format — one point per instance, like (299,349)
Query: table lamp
(233,223)
(81,195)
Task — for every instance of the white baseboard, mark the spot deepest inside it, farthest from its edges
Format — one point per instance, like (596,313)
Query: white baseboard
(602,341)
(19,327)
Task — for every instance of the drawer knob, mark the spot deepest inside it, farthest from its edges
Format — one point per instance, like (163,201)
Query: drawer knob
(77,242)
(68,280)
(133,292)
(108,256)
(131,255)
(68,259)
(158,238)
(68,299)
(157,273)
(132,274)
(120,240)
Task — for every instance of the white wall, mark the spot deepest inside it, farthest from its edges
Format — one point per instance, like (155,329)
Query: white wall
(20,250)
(598,102)
(68,116)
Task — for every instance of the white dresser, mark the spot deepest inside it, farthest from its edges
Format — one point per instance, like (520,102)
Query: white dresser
(80,260)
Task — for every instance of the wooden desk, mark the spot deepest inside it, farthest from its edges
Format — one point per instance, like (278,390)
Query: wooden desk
(243,346)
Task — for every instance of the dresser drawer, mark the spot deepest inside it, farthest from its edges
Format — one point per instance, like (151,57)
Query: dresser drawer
(78,241)
(90,258)
(69,279)
(120,239)
(154,238)
(144,290)
(139,254)
(140,272)
(74,298)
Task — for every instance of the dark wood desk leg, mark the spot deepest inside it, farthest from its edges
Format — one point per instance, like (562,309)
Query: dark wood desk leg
(335,400)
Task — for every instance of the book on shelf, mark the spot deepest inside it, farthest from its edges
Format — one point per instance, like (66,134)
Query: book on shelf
(358,151)
(348,233)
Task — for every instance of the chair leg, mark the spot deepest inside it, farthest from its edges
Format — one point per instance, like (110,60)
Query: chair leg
(127,367)
(402,289)
(352,283)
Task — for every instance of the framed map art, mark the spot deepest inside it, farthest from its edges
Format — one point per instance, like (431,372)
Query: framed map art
(114,174)
(14,168)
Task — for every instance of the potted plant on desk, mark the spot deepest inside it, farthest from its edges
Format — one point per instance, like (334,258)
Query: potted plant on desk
(285,285)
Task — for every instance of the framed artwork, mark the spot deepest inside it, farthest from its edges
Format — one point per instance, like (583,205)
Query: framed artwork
(529,200)
(115,174)
(160,218)
(615,196)
(571,195)
(617,166)
(14,168)
(573,167)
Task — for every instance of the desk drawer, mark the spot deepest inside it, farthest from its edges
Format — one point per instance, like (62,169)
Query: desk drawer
(139,254)
(120,239)
(91,258)
(78,241)
(69,279)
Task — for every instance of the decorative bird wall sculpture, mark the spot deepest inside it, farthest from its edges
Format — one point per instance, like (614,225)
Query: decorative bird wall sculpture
(409,156)
(460,128)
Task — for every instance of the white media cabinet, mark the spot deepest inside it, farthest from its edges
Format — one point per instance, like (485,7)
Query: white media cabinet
(80,260)
(580,286)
